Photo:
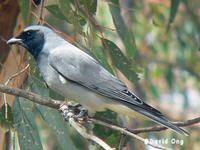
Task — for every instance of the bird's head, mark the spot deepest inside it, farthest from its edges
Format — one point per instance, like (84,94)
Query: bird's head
(32,38)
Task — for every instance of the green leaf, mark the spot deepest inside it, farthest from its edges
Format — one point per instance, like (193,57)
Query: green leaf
(111,137)
(154,90)
(90,5)
(64,6)
(169,75)
(24,123)
(101,130)
(120,61)
(52,117)
(126,35)
(81,20)
(56,123)
(66,10)
(24,9)
(101,57)
(55,10)
(173,11)
(159,19)
(6,122)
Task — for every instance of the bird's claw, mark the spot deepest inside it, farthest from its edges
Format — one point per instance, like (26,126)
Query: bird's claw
(75,111)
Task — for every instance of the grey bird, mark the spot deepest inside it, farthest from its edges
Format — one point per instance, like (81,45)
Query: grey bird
(77,76)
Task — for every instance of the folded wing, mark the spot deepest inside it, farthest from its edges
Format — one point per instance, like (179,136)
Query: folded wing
(81,68)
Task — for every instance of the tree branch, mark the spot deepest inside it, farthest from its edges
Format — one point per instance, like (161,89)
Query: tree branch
(160,128)
(82,131)
(47,101)
(6,83)
(125,131)
(56,105)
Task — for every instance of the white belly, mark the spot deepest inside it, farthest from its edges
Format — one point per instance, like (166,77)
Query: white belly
(90,100)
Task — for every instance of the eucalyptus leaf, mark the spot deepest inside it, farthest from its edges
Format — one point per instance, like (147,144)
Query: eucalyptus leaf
(111,137)
(64,6)
(126,35)
(59,127)
(6,122)
(90,5)
(24,7)
(101,57)
(24,123)
(169,75)
(55,10)
(173,11)
(66,10)
(154,90)
(52,117)
(120,61)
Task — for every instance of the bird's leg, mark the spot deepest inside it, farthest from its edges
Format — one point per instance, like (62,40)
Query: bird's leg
(82,114)
(73,110)
(65,111)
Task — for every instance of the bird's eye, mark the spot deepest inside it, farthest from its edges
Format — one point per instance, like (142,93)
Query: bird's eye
(28,33)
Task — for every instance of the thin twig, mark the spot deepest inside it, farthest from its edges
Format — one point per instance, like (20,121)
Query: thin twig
(16,74)
(161,128)
(122,141)
(47,101)
(82,131)
(65,36)
(40,19)
(3,39)
(6,83)
(126,132)
(91,18)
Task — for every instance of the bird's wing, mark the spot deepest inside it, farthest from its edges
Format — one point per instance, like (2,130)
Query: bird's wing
(77,66)
(81,68)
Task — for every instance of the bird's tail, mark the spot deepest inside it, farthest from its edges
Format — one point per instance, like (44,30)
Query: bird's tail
(156,116)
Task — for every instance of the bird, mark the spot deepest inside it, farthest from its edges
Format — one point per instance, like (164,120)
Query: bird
(76,75)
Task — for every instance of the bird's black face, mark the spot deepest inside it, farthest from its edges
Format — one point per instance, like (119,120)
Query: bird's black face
(33,40)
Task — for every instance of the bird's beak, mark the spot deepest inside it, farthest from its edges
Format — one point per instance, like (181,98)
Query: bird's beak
(14,41)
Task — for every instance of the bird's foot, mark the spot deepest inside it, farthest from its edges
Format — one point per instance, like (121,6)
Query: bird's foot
(76,111)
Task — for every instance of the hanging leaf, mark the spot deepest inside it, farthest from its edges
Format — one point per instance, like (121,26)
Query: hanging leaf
(154,90)
(108,134)
(65,7)
(6,122)
(120,61)
(59,127)
(169,75)
(126,35)
(55,10)
(24,7)
(24,123)
(173,11)
(101,57)
(67,11)
(89,5)
(159,20)
(52,117)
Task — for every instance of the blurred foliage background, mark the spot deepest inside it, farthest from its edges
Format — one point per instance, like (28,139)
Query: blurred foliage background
(152,45)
